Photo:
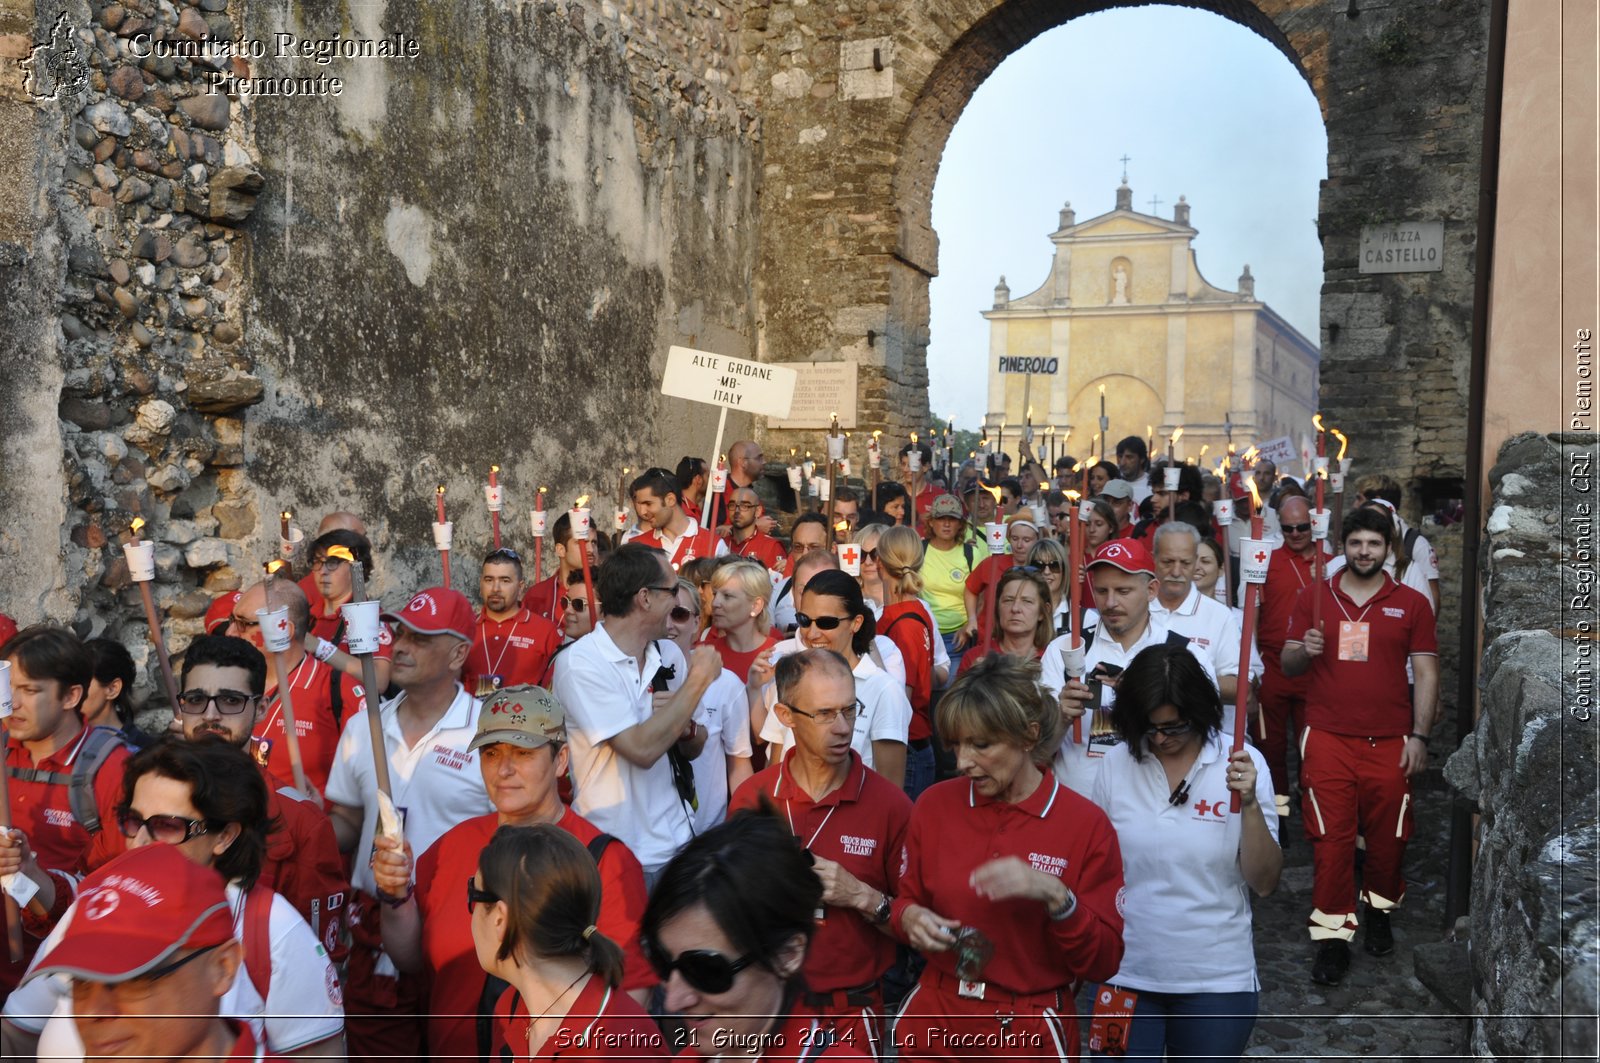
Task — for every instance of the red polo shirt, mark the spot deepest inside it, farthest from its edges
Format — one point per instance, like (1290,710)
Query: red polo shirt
(544,598)
(311,688)
(922,504)
(1368,699)
(861,826)
(907,626)
(303,863)
(760,547)
(738,661)
(981,583)
(509,652)
(8,629)
(43,812)
(455,979)
(955,830)
(603,1023)
(1287,575)
(703,543)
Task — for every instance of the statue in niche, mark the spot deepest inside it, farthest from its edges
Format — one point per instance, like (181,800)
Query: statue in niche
(1119,285)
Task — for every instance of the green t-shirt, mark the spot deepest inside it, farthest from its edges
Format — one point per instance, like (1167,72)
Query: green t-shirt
(944,583)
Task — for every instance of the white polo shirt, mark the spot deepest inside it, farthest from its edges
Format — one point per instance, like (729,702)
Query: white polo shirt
(1073,763)
(1185,905)
(725,712)
(1212,627)
(436,782)
(604,693)
(304,1004)
(885,715)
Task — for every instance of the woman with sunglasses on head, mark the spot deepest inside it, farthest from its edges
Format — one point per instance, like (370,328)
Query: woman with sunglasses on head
(1187,859)
(206,798)
(1021,534)
(533,901)
(727,930)
(833,615)
(741,615)
(1009,881)
(908,622)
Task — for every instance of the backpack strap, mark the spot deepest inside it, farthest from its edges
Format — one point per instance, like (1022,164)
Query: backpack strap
(100,744)
(598,846)
(966,550)
(915,614)
(336,696)
(258,938)
(488,1000)
(1177,641)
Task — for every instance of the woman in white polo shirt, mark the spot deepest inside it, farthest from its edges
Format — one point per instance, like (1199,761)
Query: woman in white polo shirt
(1187,860)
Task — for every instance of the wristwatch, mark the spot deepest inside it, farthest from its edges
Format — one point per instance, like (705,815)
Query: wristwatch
(880,914)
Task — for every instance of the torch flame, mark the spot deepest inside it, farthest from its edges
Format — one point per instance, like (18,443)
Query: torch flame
(1251,454)
(913,439)
(543,490)
(1255,496)
(1072,496)
(583,500)
(441,489)
(995,491)
(494,468)
(1316,421)
(876,432)
(1344,441)
(842,525)
(1102,389)
(1203,450)
(1078,467)
(1177,434)
(138,522)
(1030,413)
(287,515)
(342,553)
(275,565)
(1149,431)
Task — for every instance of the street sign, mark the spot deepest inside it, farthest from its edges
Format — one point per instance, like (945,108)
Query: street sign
(1040,366)
(1406,247)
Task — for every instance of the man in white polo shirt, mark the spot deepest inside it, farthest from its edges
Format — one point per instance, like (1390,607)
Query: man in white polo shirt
(435,783)
(1123,577)
(630,698)
(1210,625)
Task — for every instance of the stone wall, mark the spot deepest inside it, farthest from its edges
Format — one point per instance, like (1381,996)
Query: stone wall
(214,308)
(1531,763)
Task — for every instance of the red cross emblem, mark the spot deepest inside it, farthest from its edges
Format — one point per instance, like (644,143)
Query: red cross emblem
(849,555)
(1261,559)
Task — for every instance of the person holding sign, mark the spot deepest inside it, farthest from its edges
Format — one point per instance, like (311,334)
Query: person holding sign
(1364,737)
(426,731)
(665,526)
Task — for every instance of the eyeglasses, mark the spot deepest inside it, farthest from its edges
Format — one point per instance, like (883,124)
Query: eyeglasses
(826,717)
(328,564)
(476,896)
(228,702)
(142,986)
(704,970)
(1171,730)
(744,505)
(168,830)
(671,588)
(680,615)
(243,623)
(826,623)
(1296,527)
(577,605)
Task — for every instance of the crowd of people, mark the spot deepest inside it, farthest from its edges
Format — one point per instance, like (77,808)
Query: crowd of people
(759,777)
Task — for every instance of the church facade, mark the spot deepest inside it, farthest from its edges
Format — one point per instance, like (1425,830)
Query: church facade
(1126,316)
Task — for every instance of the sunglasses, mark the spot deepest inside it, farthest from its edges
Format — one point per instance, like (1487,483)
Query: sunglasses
(704,970)
(870,555)
(826,623)
(504,553)
(1171,730)
(1044,566)
(680,615)
(1296,527)
(476,896)
(577,605)
(145,984)
(168,830)
(228,702)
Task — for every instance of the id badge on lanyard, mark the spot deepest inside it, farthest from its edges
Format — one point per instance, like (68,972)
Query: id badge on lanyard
(1113,1014)
(1354,638)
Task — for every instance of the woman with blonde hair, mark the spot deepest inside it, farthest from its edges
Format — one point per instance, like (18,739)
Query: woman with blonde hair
(871,577)
(1050,558)
(908,623)
(741,615)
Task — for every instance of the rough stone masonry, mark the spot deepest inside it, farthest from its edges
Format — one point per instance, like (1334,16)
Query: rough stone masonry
(216,307)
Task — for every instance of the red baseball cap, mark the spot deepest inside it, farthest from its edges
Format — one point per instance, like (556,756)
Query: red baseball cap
(136,911)
(1130,555)
(438,611)
(220,615)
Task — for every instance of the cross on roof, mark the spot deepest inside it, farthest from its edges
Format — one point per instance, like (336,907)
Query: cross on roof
(1125,160)
(1155,205)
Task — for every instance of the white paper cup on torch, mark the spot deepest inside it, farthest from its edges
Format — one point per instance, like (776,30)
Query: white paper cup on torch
(874,454)
(719,480)
(835,447)
(824,492)
(914,458)
(141,557)
(1336,482)
(1222,508)
(619,520)
(1319,465)
(495,496)
(849,558)
(5,689)
(1254,557)
(443,534)
(998,543)
(277,634)
(1170,475)
(537,518)
(797,478)
(580,522)
(363,628)
(1085,510)
(1319,524)
(287,547)
(1072,660)
(844,467)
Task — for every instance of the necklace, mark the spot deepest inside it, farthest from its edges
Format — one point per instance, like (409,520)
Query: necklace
(528,1030)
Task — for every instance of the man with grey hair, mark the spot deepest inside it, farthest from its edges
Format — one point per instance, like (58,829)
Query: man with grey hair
(1211,626)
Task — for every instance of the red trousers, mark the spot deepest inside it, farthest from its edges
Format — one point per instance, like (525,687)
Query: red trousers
(856,1017)
(382,1011)
(935,1023)
(1283,713)
(1352,785)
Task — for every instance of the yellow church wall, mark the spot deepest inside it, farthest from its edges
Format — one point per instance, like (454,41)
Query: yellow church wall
(1149,263)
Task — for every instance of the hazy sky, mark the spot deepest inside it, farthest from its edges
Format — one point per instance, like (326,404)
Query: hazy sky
(1204,107)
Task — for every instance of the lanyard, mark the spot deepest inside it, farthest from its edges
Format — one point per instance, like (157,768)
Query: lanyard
(494,668)
(1363,614)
